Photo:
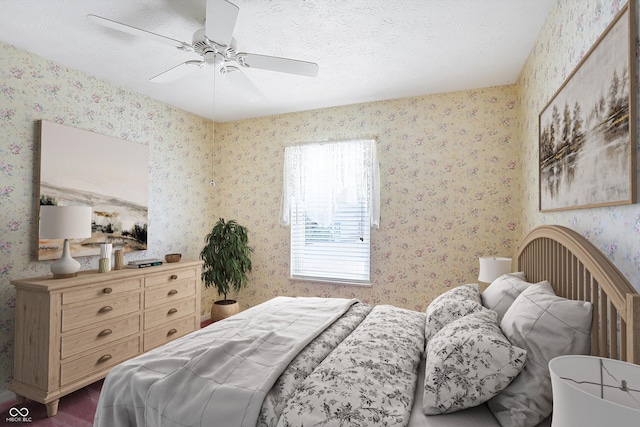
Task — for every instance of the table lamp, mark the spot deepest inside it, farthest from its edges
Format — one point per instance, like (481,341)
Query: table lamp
(591,391)
(65,222)
(493,267)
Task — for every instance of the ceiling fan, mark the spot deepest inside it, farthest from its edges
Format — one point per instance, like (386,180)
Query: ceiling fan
(217,47)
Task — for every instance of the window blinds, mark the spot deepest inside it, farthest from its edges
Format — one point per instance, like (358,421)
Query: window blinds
(331,200)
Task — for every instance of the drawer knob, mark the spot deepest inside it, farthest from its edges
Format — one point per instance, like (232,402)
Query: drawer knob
(104,358)
(173,277)
(173,292)
(105,332)
(172,331)
(173,310)
(105,309)
(107,290)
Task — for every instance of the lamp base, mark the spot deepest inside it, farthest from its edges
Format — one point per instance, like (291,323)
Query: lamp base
(66,266)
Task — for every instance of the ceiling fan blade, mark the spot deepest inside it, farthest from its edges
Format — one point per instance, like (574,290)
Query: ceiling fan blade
(274,63)
(242,82)
(138,32)
(220,21)
(177,72)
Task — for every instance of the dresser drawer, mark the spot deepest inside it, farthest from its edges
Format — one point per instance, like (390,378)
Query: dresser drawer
(170,276)
(168,332)
(87,314)
(106,333)
(102,290)
(164,294)
(176,309)
(99,360)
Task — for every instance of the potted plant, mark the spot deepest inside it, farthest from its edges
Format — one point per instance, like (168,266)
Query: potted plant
(226,257)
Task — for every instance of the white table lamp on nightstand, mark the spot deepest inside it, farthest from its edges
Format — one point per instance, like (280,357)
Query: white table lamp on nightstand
(594,391)
(65,222)
(493,267)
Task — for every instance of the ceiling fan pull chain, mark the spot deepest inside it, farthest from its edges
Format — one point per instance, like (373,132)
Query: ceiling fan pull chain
(212,183)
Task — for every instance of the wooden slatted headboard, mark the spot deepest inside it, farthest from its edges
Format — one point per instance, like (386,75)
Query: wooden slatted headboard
(578,270)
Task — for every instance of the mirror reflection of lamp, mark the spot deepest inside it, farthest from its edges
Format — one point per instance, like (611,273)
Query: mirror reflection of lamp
(65,222)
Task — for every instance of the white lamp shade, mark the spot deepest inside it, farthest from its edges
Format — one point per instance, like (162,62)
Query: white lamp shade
(578,383)
(493,267)
(65,222)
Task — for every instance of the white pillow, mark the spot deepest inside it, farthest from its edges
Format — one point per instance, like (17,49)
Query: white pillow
(546,326)
(468,362)
(451,305)
(503,291)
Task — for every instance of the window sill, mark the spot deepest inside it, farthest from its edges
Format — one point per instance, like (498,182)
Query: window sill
(330,281)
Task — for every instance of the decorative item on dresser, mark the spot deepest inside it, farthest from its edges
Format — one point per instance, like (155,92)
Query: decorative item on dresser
(71,332)
(65,222)
(104,263)
(118,263)
(172,257)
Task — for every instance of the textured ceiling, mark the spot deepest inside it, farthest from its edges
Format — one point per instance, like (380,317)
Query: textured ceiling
(367,50)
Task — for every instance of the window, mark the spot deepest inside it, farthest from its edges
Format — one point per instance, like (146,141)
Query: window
(331,199)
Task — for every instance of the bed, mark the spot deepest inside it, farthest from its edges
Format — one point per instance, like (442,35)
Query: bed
(467,360)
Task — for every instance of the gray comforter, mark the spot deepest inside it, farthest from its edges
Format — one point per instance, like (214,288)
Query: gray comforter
(289,361)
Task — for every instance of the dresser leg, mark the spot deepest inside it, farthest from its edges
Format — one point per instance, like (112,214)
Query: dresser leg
(20,399)
(52,408)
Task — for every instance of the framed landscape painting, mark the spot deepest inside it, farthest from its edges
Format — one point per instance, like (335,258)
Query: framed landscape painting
(83,168)
(587,131)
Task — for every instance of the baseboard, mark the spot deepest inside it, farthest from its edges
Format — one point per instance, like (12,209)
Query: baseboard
(6,396)
(205,317)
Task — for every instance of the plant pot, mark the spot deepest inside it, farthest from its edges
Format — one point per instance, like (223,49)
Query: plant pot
(223,309)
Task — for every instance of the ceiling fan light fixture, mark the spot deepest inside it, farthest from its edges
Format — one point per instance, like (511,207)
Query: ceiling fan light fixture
(212,58)
(216,46)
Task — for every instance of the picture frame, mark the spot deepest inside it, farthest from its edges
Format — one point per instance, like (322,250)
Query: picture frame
(83,168)
(587,131)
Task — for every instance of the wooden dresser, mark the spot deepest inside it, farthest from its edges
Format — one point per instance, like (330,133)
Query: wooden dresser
(70,332)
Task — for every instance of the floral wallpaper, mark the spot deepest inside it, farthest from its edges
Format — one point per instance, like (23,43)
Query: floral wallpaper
(450,191)
(573,26)
(32,88)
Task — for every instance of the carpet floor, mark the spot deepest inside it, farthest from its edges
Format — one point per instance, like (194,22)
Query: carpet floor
(75,410)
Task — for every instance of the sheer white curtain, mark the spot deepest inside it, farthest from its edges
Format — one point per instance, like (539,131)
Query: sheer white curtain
(319,176)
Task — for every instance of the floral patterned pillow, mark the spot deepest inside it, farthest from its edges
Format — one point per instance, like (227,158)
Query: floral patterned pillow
(468,362)
(451,305)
